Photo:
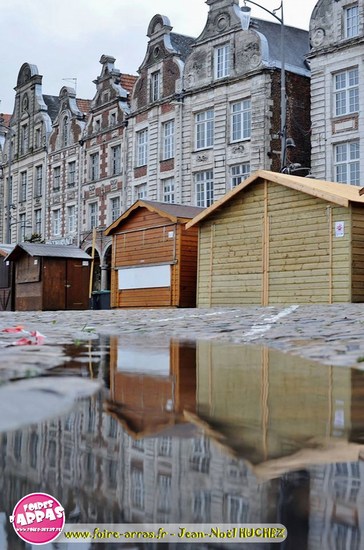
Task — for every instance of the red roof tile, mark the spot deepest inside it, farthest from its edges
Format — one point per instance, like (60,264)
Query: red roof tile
(127,81)
(5,119)
(84,105)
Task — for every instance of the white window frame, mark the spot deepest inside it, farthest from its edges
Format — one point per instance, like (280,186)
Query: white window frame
(71,173)
(23,186)
(165,446)
(168,190)
(137,488)
(115,160)
(38,137)
(204,184)
(94,166)
(240,113)
(97,125)
(65,131)
(155,86)
(56,178)
(56,222)
(237,509)
(114,208)
(93,214)
(222,61)
(22,226)
(113,118)
(168,140)
(142,147)
(141,191)
(239,173)
(351,21)
(38,221)
(201,506)
(71,218)
(38,181)
(164,499)
(346,92)
(24,139)
(204,128)
(347,162)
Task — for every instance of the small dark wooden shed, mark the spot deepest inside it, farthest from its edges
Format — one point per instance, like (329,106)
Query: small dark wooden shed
(154,258)
(50,277)
(6,279)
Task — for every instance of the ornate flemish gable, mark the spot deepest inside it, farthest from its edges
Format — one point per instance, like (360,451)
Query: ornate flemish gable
(223,16)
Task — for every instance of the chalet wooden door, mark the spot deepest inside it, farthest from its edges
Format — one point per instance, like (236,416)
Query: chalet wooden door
(54,276)
(77,284)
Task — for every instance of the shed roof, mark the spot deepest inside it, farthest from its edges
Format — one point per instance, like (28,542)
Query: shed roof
(336,193)
(174,212)
(50,250)
(5,249)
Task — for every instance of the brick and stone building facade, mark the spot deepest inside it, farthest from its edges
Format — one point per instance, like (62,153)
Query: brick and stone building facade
(154,139)
(63,182)
(102,159)
(25,157)
(337,37)
(202,115)
(206,112)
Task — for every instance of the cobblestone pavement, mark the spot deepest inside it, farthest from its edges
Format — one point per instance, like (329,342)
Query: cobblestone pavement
(330,334)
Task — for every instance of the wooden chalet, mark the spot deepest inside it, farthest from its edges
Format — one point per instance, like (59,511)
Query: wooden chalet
(151,384)
(50,277)
(280,239)
(6,279)
(154,258)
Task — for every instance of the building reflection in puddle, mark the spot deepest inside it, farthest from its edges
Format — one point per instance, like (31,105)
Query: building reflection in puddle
(201,432)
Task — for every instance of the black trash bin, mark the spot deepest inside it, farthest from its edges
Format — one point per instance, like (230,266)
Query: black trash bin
(100,299)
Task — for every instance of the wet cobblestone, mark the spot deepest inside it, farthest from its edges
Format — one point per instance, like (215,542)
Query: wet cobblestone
(329,334)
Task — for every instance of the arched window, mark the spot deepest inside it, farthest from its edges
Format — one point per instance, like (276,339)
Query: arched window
(65,130)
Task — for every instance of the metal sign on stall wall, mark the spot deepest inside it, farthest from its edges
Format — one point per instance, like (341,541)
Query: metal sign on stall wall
(339,229)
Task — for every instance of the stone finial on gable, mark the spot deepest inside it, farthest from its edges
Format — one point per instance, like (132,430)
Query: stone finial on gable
(159,25)
(28,72)
(108,68)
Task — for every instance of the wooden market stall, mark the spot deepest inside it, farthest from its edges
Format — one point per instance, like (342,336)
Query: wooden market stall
(151,384)
(281,239)
(6,279)
(50,277)
(154,258)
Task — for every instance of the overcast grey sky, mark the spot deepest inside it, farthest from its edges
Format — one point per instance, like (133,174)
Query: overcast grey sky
(65,39)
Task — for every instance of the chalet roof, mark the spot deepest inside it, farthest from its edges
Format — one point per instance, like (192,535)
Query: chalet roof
(5,249)
(336,193)
(175,212)
(50,250)
(182,43)
(52,103)
(84,105)
(127,81)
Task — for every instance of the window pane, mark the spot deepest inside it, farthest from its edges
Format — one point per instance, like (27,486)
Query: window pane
(241,120)
(204,188)
(347,165)
(346,94)
(222,61)
(352,21)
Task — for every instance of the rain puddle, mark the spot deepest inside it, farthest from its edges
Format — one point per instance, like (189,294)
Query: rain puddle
(192,432)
